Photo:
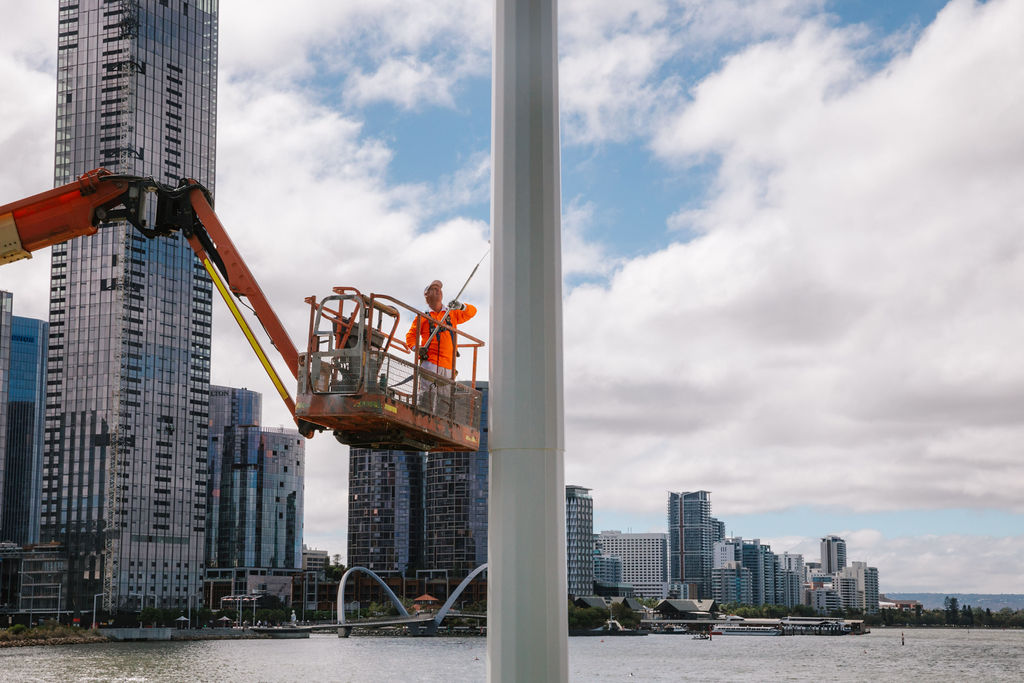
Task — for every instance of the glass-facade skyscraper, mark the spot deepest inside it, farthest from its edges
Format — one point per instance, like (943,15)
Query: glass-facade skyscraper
(692,533)
(21,454)
(579,540)
(125,464)
(409,510)
(6,309)
(385,510)
(256,486)
(234,415)
(455,505)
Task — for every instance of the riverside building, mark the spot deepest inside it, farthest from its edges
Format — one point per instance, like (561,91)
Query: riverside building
(692,532)
(644,560)
(833,554)
(579,540)
(455,506)
(22,396)
(125,465)
(385,510)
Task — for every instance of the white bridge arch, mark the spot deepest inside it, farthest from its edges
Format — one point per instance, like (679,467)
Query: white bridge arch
(441,613)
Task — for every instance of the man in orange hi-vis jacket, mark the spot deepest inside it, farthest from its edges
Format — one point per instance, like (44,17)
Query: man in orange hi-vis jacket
(439,356)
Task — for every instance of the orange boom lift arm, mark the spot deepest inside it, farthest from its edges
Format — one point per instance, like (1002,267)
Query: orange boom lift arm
(77,209)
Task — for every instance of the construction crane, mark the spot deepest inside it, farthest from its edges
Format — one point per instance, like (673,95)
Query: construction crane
(350,380)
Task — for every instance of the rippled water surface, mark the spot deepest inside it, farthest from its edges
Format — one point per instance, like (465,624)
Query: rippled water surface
(879,656)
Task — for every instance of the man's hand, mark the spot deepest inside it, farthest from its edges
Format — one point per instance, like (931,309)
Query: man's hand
(456,305)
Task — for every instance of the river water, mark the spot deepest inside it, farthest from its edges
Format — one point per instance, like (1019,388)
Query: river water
(928,655)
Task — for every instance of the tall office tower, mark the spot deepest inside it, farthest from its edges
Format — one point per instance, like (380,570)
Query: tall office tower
(124,471)
(833,554)
(385,510)
(455,506)
(692,532)
(579,540)
(21,452)
(234,421)
(644,560)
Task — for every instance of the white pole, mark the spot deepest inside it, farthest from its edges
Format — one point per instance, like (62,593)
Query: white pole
(95,622)
(526,589)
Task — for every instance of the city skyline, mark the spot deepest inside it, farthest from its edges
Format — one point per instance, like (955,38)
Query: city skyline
(810,202)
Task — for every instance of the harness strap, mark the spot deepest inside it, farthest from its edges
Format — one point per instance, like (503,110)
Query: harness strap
(431,325)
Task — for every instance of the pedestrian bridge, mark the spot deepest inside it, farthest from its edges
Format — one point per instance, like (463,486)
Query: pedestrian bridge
(419,624)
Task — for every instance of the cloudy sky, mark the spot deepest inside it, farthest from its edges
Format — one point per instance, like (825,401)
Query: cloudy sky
(793,237)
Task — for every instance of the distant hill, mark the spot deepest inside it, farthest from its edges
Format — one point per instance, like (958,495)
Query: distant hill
(994,602)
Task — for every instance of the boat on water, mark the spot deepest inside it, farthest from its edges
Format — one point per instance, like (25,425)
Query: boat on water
(734,629)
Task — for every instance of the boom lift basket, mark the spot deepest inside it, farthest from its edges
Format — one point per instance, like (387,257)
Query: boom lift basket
(352,381)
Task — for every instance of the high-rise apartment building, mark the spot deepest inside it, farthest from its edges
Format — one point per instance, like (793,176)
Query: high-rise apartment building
(125,464)
(385,510)
(579,540)
(732,582)
(692,532)
(259,521)
(726,550)
(857,586)
(759,559)
(6,316)
(607,569)
(235,415)
(833,554)
(23,385)
(644,560)
(455,505)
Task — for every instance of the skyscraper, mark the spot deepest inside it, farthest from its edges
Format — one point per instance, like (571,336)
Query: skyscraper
(760,560)
(692,532)
(125,465)
(6,308)
(385,510)
(579,540)
(234,423)
(455,505)
(833,554)
(21,449)
(256,500)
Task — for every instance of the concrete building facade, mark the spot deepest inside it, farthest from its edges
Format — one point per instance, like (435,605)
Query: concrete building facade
(644,560)
(732,582)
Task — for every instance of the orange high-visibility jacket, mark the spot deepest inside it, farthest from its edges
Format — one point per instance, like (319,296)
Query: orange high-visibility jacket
(441,352)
